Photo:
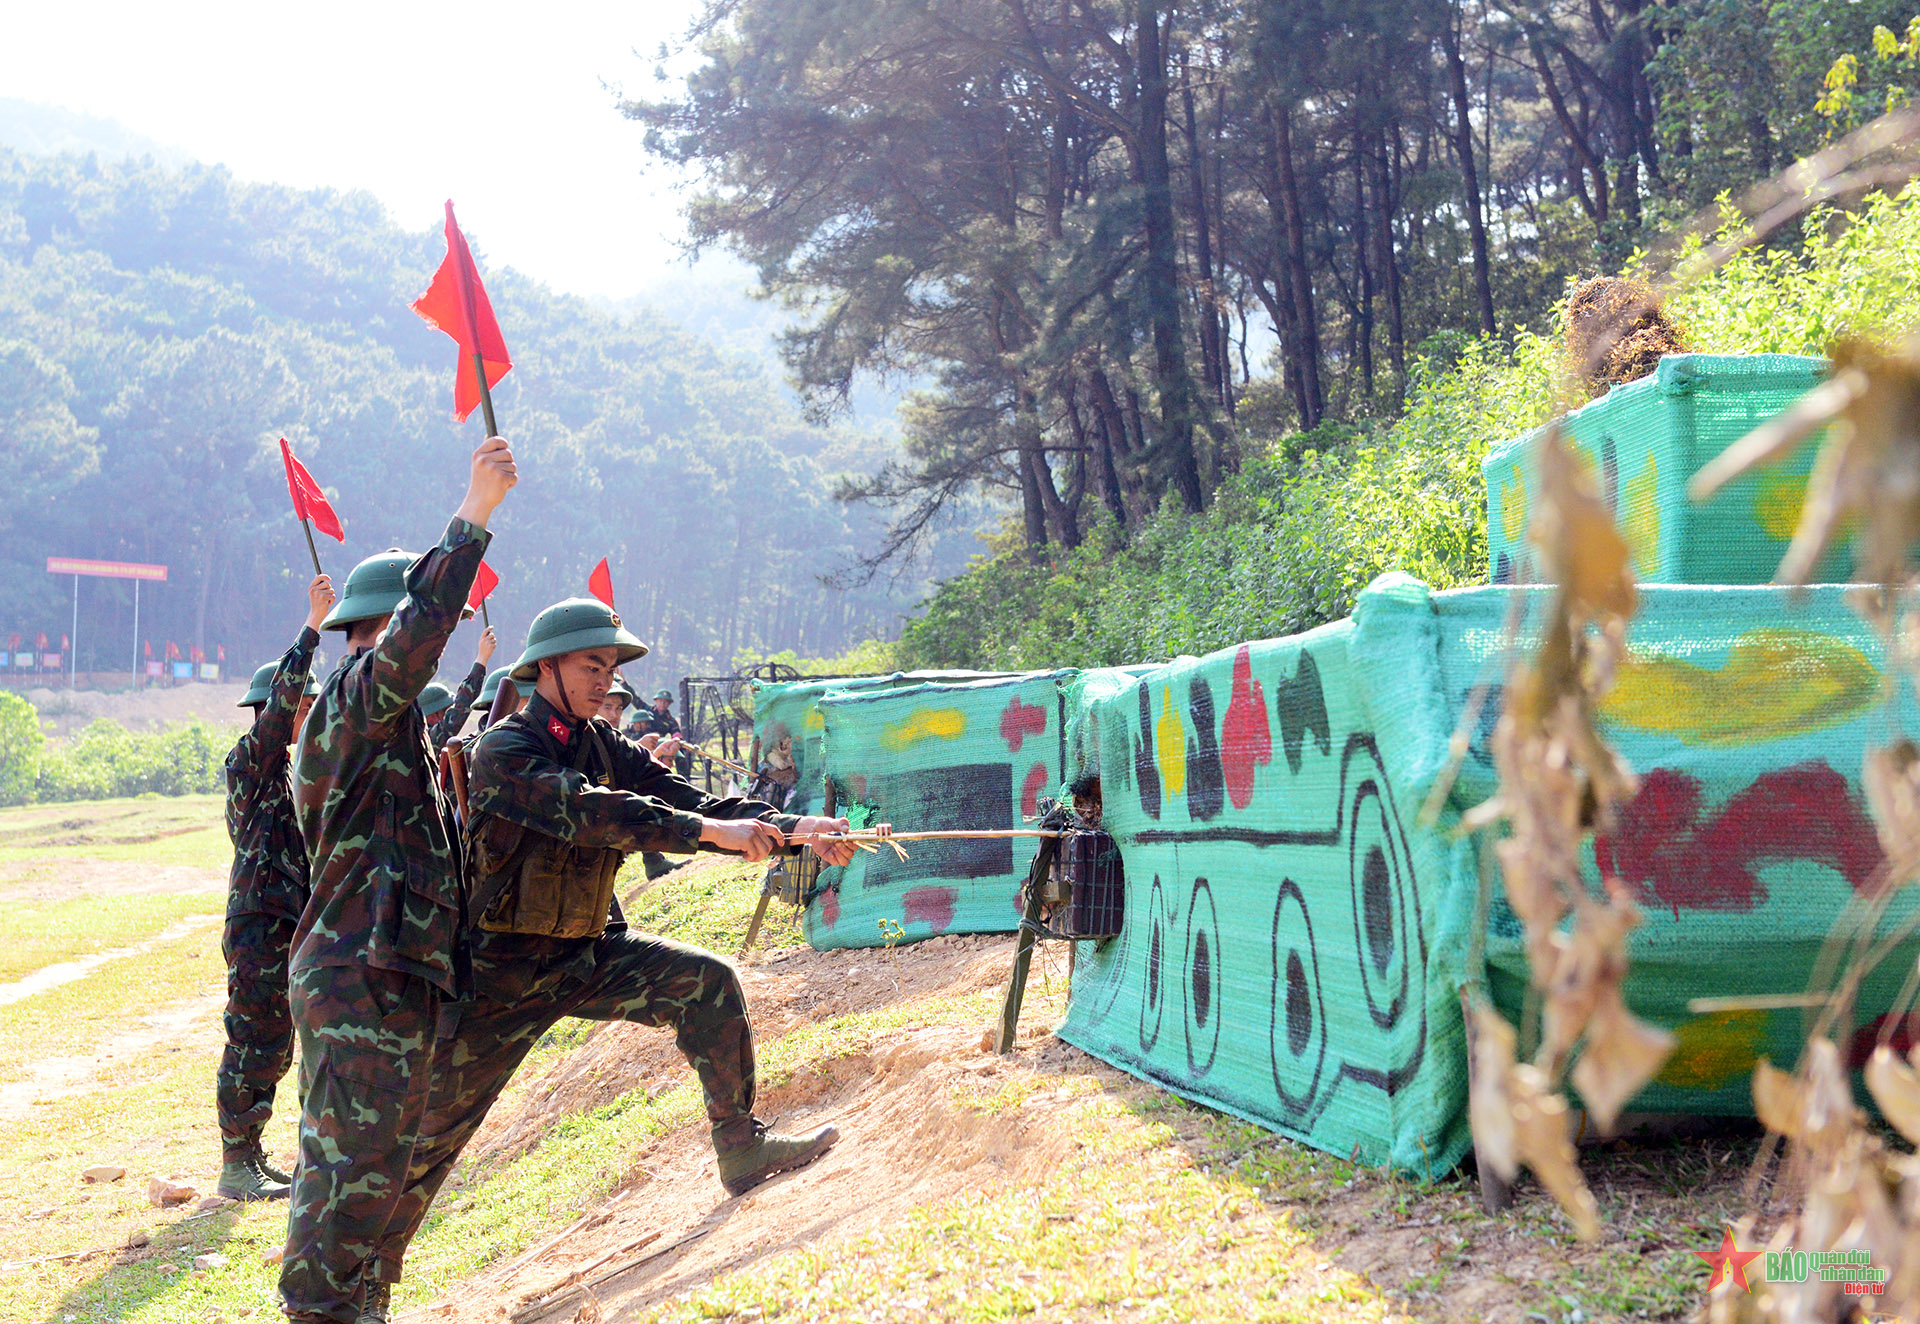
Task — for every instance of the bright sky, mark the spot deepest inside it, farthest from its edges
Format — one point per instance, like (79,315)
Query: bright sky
(508,109)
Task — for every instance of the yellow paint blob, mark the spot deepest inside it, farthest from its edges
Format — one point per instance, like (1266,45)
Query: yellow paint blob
(1776,505)
(923,724)
(1513,506)
(1642,518)
(1711,1051)
(1775,683)
(815,720)
(1170,746)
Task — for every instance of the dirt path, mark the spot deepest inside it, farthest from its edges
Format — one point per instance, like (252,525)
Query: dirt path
(189,1023)
(65,972)
(56,879)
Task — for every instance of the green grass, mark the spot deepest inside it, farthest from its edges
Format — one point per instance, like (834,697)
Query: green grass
(76,1018)
(40,933)
(147,829)
(709,903)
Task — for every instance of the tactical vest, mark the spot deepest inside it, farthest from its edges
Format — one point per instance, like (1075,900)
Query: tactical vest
(529,882)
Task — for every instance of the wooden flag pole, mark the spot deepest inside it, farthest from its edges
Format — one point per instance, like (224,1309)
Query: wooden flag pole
(306,527)
(486,621)
(486,395)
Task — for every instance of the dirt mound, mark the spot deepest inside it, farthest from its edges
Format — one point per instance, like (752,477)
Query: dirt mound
(909,1105)
(63,712)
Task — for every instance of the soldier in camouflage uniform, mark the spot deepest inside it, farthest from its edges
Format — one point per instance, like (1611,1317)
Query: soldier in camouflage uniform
(379,952)
(558,799)
(266,892)
(490,691)
(444,722)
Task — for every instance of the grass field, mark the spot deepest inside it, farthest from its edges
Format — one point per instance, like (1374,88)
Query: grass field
(1158,1210)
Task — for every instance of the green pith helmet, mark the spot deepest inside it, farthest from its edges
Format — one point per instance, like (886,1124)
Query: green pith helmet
(620,689)
(489,690)
(663,694)
(435,699)
(261,687)
(375,588)
(567,627)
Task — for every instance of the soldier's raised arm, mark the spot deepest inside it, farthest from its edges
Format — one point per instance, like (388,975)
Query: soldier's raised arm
(407,653)
(274,695)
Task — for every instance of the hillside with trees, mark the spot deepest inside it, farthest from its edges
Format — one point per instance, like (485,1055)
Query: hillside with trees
(1231,298)
(161,328)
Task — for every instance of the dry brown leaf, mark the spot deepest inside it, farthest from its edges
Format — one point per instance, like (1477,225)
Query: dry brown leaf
(1541,1139)
(1488,1110)
(1891,776)
(1579,545)
(1622,1054)
(1779,1099)
(1895,1086)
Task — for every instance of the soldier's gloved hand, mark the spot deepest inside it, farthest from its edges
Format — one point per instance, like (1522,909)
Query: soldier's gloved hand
(488,642)
(743,836)
(320,600)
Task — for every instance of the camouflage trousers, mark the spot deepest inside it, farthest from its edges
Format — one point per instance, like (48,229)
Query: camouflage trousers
(366,1052)
(259,1028)
(634,977)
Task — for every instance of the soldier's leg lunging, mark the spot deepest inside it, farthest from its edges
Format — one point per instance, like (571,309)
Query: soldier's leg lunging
(366,1046)
(481,1045)
(258,1052)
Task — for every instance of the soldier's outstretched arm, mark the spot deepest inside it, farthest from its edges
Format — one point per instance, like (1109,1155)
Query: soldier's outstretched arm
(408,654)
(261,751)
(638,771)
(515,778)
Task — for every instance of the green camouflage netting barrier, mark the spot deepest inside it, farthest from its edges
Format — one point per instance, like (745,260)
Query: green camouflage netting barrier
(1295,942)
(1644,441)
(790,711)
(935,757)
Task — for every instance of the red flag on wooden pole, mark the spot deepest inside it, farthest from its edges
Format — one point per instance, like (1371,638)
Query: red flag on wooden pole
(309,502)
(485,581)
(457,303)
(600,582)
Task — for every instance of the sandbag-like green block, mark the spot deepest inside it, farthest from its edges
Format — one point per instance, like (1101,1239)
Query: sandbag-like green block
(937,757)
(1644,442)
(1296,939)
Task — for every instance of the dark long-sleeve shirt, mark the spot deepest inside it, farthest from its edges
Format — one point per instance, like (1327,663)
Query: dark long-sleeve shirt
(269,859)
(386,874)
(447,725)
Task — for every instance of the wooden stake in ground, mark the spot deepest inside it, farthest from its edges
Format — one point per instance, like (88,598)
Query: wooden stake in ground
(1023,945)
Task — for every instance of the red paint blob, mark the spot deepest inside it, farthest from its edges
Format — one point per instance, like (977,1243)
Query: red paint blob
(1246,741)
(1030,789)
(1020,720)
(829,906)
(1673,855)
(930,905)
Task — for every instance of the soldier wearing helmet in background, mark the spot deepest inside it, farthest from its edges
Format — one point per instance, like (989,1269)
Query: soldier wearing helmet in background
(379,950)
(491,691)
(266,892)
(445,719)
(619,698)
(559,798)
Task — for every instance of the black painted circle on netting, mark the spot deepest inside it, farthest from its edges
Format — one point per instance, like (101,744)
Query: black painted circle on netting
(1380,877)
(1201,990)
(1297,1027)
(1153,982)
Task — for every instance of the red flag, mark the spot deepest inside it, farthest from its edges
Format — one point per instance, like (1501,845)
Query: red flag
(484,582)
(309,502)
(43,641)
(199,655)
(64,645)
(148,646)
(13,641)
(456,302)
(221,650)
(173,651)
(600,582)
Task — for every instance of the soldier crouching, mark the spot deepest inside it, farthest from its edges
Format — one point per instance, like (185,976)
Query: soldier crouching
(559,798)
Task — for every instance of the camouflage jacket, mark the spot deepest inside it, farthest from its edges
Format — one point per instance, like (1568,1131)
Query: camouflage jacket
(269,859)
(386,876)
(521,772)
(447,725)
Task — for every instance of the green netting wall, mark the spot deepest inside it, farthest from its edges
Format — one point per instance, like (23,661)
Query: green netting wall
(937,757)
(1644,441)
(792,709)
(1295,941)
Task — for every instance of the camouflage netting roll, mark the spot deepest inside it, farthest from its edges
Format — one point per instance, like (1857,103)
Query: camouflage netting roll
(1644,441)
(937,757)
(1295,942)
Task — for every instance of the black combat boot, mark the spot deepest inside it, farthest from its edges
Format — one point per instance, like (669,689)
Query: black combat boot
(376,1308)
(244,1176)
